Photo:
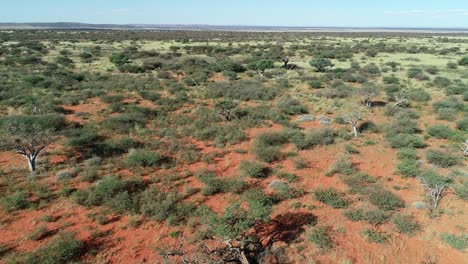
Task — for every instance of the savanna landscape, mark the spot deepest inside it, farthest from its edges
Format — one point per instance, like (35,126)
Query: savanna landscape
(122,146)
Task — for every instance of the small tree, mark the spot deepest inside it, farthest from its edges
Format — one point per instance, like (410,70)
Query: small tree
(401,98)
(321,64)
(261,66)
(28,140)
(368,93)
(435,186)
(353,119)
(226,108)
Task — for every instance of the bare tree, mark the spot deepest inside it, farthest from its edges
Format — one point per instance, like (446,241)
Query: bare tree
(435,185)
(436,191)
(28,140)
(401,99)
(353,119)
(368,93)
(464,148)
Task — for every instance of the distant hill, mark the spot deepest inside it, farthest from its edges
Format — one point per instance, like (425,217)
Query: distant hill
(84,26)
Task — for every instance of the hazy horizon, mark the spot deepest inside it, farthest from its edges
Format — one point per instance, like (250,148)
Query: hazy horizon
(296,13)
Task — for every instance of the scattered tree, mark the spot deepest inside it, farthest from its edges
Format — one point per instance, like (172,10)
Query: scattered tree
(261,66)
(321,64)
(27,139)
(368,93)
(435,186)
(353,119)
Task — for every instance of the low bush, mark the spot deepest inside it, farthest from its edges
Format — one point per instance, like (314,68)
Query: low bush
(165,206)
(215,184)
(254,169)
(405,224)
(439,131)
(267,146)
(145,158)
(342,166)
(124,122)
(385,200)
(375,217)
(359,183)
(463,124)
(441,158)
(331,197)
(240,90)
(407,154)
(16,201)
(39,233)
(406,140)
(408,168)
(320,237)
(375,236)
(459,242)
(62,249)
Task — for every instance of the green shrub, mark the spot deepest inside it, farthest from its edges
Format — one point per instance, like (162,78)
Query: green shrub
(39,233)
(331,197)
(319,137)
(359,183)
(375,217)
(463,124)
(463,61)
(240,90)
(145,158)
(164,206)
(459,242)
(440,131)
(112,98)
(315,84)
(320,237)
(215,184)
(406,140)
(254,169)
(407,154)
(63,249)
(408,168)
(405,224)
(16,201)
(385,200)
(124,122)
(291,106)
(441,158)
(375,236)
(342,166)
(267,146)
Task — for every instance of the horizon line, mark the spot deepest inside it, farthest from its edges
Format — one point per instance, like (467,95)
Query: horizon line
(237,25)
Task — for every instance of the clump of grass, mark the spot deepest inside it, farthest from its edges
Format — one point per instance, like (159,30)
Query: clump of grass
(39,233)
(16,201)
(374,217)
(254,169)
(332,197)
(459,242)
(442,158)
(359,183)
(375,236)
(320,236)
(342,166)
(405,224)
(65,248)
(145,158)
(385,200)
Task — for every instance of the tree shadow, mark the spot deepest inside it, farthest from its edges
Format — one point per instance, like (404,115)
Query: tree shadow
(285,227)
(379,103)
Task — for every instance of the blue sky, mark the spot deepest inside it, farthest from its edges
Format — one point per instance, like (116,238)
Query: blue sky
(359,13)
